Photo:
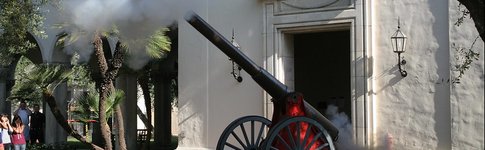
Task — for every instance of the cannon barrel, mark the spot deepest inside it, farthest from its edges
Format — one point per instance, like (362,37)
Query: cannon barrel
(268,82)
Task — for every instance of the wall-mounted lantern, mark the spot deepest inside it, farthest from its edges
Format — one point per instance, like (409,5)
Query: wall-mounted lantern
(398,42)
(236,69)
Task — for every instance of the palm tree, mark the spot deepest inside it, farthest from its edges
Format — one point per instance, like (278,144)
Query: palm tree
(104,71)
(44,79)
(87,104)
(104,83)
(157,47)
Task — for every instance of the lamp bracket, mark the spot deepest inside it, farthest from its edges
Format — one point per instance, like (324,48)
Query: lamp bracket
(236,71)
(401,63)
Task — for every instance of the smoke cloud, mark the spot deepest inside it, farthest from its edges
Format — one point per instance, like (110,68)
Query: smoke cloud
(135,20)
(342,122)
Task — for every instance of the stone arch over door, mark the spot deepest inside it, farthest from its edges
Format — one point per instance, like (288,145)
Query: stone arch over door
(282,19)
(34,54)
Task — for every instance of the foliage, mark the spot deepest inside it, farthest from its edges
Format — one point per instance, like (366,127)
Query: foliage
(18,18)
(464,14)
(62,39)
(158,44)
(26,91)
(156,47)
(464,58)
(474,8)
(87,105)
(80,78)
(34,79)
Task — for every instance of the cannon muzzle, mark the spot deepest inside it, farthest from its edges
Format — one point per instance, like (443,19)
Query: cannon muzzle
(268,82)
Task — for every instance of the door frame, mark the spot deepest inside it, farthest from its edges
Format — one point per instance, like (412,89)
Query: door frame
(278,46)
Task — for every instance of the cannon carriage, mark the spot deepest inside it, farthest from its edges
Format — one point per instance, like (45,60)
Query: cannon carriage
(295,124)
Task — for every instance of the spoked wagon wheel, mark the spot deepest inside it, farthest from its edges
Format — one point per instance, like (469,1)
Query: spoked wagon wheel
(298,133)
(244,133)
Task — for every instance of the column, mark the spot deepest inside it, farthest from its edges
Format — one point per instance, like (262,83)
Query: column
(4,104)
(128,83)
(6,83)
(3,95)
(162,74)
(163,120)
(54,133)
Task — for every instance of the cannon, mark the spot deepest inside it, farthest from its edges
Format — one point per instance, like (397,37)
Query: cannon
(295,124)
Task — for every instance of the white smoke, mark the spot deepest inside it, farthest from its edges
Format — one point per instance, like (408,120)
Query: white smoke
(342,122)
(135,20)
(80,44)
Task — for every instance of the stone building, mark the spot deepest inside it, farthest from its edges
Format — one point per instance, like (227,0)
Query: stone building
(336,52)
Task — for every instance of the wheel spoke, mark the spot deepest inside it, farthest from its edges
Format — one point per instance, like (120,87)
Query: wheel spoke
(298,136)
(260,134)
(232,138)
(238,139)
(323,146)
(232,146)
(304,134)
(307,134)
(284,142)
(244,133)
(290,135)
(252,132)
(314,140)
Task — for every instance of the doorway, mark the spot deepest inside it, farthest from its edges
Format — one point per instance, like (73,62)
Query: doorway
(322,69)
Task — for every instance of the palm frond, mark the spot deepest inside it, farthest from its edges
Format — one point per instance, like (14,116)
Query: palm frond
(158,45)
(37,79)
(61,40)
(111,32)
(87,105)
(49,76)
(25,91)
(114,98)
(80,115)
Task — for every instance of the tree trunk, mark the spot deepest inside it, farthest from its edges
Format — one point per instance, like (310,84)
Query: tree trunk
(143,118)
(61,120)
(477,13)
(107,74)
(114,66)
(143,80)
(103,91)
(121,127)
